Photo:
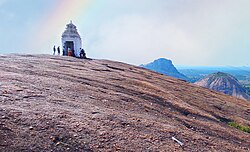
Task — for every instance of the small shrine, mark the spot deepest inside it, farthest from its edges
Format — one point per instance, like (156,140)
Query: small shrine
(72,42)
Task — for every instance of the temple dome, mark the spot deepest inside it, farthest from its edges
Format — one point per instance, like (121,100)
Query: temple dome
(71,31)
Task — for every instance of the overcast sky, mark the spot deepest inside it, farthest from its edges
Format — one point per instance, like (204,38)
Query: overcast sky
(189,32)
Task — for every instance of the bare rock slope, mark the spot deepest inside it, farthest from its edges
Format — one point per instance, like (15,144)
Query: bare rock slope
(50,103)
(225,83)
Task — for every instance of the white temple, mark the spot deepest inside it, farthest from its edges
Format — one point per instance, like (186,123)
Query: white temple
(71,41)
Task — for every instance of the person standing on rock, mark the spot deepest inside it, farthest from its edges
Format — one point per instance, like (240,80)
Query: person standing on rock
(58,50)
(54,49)
(82,54)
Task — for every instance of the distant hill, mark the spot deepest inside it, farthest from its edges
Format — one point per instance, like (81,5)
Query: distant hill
(225,83)
(195,73)
(166,67)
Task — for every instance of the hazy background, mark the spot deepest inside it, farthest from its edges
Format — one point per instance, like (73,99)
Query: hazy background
(190,32)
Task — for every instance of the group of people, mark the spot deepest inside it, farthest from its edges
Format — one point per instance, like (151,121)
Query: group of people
(70,52)
(58,50)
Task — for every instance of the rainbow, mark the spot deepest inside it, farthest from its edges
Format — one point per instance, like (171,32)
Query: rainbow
(51,25)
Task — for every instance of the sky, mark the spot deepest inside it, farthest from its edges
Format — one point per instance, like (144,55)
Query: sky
(189,32)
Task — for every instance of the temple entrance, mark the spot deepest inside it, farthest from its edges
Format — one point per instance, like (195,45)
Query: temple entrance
(69,48)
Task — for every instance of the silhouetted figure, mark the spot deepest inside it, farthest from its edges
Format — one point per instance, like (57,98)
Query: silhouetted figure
(54,49)
(58,50)
(64,51)
(73,53)
(82,54)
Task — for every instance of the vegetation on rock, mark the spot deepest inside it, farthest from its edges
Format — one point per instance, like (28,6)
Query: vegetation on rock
(240,127)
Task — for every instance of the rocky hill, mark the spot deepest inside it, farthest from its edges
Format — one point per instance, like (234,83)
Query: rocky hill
(52,103)
(165,66)
(224,83)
